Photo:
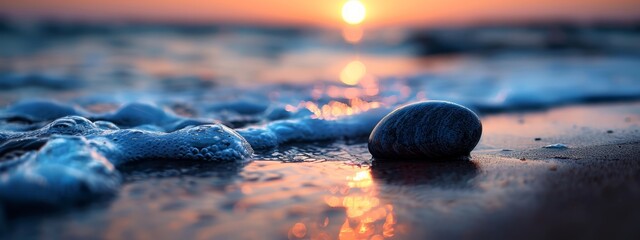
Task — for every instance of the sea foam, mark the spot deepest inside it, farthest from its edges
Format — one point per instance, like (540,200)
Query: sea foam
(73,159)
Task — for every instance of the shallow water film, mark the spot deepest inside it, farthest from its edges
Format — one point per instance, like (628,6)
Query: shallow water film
(183,131)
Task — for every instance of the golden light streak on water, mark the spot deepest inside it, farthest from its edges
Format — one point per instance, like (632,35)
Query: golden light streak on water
(352,34)
(335,109)
(353,72)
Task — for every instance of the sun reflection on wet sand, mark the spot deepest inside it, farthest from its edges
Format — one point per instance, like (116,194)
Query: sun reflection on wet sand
(366,217)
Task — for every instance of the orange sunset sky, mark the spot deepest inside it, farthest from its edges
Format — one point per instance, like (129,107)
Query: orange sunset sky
(322,12)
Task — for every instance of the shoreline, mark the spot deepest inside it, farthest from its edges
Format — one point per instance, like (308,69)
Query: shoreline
(588,190)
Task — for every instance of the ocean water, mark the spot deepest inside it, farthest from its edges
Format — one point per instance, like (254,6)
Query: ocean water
(87,114)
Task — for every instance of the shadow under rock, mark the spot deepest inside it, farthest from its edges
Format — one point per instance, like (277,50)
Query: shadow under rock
(457,174)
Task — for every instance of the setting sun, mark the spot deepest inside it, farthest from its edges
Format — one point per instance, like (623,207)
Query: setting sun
(353,12)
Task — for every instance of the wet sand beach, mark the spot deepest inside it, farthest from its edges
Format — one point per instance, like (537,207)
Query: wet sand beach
(512,188)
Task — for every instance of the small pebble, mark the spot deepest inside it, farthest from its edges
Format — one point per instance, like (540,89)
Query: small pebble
(556,146)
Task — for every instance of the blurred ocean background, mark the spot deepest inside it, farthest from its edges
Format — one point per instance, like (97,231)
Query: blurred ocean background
(229,70)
